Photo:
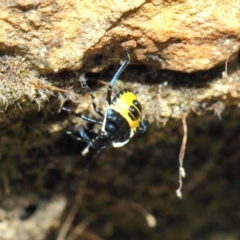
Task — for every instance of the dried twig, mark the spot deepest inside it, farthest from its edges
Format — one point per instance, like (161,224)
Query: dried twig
(39,85)
(6,185)
(151,220)
(80,228)
(182,173)
(90,236)
(68,221)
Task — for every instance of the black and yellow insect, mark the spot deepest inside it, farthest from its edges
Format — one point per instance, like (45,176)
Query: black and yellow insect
(121,121)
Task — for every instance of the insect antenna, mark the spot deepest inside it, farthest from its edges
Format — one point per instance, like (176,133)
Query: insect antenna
(115,77)
(93,159)
(85,173)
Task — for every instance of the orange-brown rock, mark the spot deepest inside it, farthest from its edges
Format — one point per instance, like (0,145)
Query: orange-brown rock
(179,35)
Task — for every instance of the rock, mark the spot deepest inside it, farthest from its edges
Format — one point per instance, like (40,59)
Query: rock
(178,35)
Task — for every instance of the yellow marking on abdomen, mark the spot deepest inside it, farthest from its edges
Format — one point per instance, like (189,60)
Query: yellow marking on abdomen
(122,105)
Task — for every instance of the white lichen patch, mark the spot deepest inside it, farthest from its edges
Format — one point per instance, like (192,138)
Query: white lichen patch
(46,217)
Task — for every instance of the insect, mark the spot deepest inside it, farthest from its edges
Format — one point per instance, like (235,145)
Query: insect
(122,119)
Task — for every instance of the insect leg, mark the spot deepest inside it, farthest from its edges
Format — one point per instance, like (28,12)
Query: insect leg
(142,127)
(88,119)
(77,137)
(115,77)
(94,158)
(90,163)
(81,137)
(97,110)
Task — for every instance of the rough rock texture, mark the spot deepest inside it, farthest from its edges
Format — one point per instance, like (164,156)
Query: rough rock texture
(181,35)
(55,35)
(15,220)
(130,192)
(177,35)
(127,189)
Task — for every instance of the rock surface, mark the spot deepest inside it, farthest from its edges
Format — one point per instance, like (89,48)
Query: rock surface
(178,35)
(127,185)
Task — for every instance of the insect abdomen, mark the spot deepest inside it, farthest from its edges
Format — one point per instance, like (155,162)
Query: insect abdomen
(116,126)
(127,105)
